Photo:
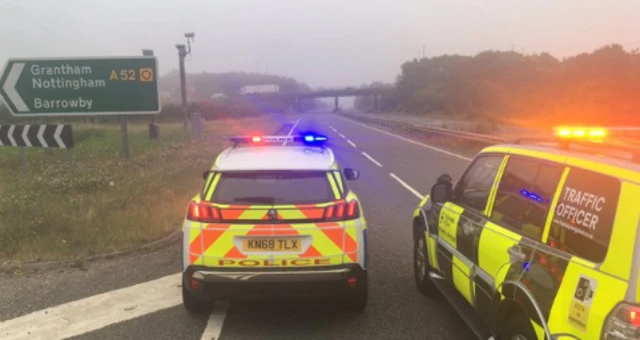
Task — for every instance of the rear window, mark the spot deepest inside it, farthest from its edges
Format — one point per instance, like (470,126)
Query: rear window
(583,219)
(273,187)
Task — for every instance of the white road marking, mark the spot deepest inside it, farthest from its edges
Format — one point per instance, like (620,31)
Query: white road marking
(409,140)
(96,312)
(334,130)
(407,186)
(341,135)
(371,159)
(352,144)
(291,131)
(216,320)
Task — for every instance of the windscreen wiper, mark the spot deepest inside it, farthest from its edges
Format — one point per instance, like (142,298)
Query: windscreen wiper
(256,199)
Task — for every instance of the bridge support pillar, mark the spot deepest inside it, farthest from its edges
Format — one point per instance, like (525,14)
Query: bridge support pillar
(298,105)
(375,102)
(336,104)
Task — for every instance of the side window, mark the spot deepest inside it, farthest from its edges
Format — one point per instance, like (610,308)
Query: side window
(473,189)
(524,195)
(584,216)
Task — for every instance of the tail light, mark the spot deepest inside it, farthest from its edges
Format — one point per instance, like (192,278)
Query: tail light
(203,212)
(342,211)
(622,323)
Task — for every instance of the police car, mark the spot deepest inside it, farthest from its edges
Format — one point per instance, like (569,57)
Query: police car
(275,218)
(538,239)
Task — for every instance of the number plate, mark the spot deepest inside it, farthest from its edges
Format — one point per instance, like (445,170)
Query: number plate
(272,244)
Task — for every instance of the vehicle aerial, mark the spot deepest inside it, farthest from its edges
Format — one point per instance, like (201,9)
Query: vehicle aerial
(538,239)
(275,218)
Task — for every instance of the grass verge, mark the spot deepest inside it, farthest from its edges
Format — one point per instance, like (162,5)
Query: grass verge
(106,203)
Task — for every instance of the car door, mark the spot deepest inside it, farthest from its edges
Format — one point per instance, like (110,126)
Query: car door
(461,221)
(510,240)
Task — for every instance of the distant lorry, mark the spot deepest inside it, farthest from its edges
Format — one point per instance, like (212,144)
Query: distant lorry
(268,88)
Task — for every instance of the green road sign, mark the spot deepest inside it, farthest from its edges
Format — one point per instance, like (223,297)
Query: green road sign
(80,86)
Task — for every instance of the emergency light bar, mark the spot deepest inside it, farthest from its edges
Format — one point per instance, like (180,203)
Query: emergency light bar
(262,140)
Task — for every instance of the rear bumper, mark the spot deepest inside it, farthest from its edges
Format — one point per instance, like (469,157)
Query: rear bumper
(216,283)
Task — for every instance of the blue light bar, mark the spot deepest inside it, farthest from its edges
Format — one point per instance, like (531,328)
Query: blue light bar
(313,139)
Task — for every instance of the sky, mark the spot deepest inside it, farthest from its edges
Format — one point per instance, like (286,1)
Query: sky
(329,43)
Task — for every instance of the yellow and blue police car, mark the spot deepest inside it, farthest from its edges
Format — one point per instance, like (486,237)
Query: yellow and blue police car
(538,239)
(275,218)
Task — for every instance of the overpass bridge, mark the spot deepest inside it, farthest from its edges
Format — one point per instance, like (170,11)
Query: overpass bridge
(295,97)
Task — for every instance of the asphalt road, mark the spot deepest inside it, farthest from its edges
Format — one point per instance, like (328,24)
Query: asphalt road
(138,297)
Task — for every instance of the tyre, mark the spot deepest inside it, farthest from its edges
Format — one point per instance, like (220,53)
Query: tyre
(519,328)
(421,266)
(356,301)
(193,304)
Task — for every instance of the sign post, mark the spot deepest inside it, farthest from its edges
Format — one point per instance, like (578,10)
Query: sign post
(80,87)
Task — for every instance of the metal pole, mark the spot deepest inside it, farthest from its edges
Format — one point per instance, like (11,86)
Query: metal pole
(149,53)
(183,87)
(125,137)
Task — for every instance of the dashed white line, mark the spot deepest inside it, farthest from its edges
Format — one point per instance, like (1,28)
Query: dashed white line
(216,320)
(341,135)
(371,159)
(409,140)
(407,186)
(334,130)
(292,128)
(352,144)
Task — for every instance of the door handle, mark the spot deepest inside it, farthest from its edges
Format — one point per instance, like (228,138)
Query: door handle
(516,254)
(468,229)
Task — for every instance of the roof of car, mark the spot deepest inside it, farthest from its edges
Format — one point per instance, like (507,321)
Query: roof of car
(275,157)
(563,155)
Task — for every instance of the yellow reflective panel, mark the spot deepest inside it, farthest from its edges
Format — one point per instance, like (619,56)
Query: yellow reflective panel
(539,155)
(338,179)
(552,208)
(585,318)
(623,238)
(209,194)
(334,186)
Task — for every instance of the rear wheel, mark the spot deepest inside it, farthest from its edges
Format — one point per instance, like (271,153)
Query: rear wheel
(356,301)
(193,304)
(421,265)
(519,328)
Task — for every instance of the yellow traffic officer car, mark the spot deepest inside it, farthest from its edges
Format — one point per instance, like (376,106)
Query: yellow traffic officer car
(538,239)
(275,218)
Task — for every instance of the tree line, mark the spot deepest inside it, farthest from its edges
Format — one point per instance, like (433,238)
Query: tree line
(601,87)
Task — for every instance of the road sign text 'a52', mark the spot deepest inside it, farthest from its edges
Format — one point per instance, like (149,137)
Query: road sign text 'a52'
(81,86)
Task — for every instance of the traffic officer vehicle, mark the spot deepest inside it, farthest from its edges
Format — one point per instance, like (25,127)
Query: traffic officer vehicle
(538,239)
(275,218)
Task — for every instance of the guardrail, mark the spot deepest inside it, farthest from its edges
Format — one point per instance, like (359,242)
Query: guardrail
(477,137)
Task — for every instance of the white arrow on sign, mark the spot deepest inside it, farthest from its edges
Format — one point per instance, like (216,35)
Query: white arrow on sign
(10,135)
(25,138)
(10,87)
(56,136)
(41,136)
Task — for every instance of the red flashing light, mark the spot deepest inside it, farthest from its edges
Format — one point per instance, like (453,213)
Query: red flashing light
(256,139)
(352,281)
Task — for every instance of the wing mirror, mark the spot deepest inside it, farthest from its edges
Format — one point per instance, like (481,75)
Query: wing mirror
(205,174)
(442,191)
(350,174)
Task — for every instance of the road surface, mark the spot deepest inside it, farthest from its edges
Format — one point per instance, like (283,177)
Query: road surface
(138,297)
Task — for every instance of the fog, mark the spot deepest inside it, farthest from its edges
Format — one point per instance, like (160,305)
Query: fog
(322,43)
